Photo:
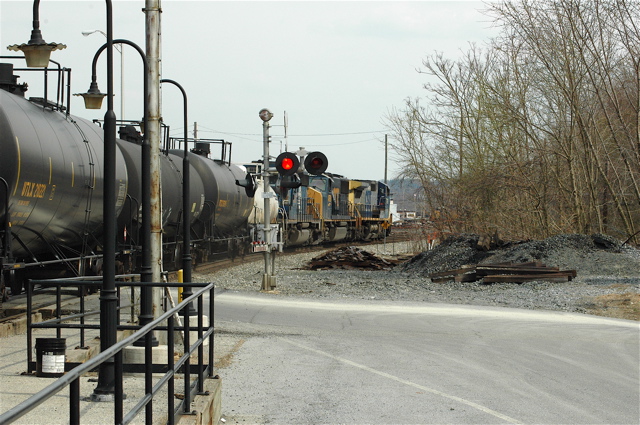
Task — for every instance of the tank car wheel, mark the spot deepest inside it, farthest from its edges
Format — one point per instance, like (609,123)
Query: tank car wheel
(177,257)
(4,289)
(12,281)
(232,249)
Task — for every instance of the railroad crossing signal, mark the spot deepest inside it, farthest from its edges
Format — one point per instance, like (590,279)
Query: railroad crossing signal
(287,164)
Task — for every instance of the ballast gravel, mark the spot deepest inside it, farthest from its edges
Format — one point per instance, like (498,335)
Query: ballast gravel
(604,266)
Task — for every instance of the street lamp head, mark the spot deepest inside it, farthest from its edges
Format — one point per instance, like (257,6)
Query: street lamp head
(93,97)
(37,52)
(265,115)
(88,33)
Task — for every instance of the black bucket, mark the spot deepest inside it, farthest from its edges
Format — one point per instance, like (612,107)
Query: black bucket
(50,357)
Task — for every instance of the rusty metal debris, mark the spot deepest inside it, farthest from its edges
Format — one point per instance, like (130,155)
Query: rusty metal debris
(504,272)
(349,258)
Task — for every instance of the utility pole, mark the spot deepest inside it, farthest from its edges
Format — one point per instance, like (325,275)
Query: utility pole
(152,25)
(385,158)
(286,141)
(195,130)
(268,279)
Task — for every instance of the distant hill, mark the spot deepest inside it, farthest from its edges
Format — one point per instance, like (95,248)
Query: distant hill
(407,194)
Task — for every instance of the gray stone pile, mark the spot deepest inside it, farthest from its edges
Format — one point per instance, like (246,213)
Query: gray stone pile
(604,266)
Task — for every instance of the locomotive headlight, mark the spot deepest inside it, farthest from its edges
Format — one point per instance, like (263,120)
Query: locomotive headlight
(265,114)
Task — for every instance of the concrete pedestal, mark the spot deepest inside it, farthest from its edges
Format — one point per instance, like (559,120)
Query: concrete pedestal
(193,332)
(135,355)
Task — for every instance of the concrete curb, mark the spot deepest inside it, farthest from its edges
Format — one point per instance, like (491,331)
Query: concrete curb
(208,407)
(18,326)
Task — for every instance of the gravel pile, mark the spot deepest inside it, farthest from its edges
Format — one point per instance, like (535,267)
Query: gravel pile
(603,265)
(589,254)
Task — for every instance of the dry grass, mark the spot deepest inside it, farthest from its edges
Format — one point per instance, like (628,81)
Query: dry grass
(624,305)
(227,359)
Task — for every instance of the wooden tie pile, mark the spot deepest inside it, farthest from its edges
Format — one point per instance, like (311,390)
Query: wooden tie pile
(504,272)
(349,257)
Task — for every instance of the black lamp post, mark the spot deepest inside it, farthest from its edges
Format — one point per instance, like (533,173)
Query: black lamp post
(93,100)
(186,215)
(105,389)
(36,50)
(37,53)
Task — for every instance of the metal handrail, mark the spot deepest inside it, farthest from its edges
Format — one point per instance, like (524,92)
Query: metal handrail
(72,378)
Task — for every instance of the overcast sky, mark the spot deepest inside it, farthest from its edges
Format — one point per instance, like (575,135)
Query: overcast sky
(335,67)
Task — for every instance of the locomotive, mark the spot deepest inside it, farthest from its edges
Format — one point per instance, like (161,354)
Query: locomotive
(51,197)
(330,207)
(316,207)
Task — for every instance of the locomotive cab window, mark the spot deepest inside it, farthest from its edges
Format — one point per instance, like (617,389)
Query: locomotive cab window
(319,183)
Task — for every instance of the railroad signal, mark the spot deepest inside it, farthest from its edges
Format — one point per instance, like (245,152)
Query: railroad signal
(250,185)
(287,164)
(290,182)
(316,163)
(287,183)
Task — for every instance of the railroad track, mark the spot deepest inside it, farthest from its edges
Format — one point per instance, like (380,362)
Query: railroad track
(210,267)
(45,297)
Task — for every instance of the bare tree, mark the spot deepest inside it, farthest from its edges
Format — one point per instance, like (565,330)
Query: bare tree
(537,133)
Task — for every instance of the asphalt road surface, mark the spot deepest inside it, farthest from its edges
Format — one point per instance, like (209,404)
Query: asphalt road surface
(354,362)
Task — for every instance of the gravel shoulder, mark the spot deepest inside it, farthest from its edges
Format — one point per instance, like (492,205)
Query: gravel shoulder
(607,282)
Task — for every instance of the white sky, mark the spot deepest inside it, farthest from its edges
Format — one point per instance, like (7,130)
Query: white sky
(335,67)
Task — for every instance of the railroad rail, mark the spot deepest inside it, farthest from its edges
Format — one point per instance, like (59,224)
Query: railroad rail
(44,298)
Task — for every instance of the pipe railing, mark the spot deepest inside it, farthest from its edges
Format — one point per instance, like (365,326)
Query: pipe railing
(72,378)
(61,96)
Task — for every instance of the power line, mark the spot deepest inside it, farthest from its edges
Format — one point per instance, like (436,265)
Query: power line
(238,135)
(297,135)
(335,134)
(346,143)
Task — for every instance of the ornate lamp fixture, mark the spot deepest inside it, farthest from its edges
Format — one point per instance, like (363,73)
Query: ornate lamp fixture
(93,97)
(37,51)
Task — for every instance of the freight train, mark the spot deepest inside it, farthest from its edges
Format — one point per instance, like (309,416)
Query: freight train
(318,207)
(330,207)
(51,197)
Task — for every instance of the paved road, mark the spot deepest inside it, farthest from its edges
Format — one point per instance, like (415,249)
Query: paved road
(373,362)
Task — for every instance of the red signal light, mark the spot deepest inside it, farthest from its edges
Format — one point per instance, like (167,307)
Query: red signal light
(287,164)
